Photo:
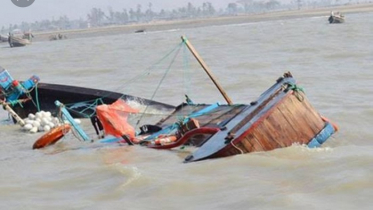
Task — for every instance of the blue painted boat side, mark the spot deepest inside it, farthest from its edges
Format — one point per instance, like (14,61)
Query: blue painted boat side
(321,137)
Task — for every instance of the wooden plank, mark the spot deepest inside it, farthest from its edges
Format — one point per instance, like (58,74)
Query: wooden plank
(317,123)
(277,124)
(246,143)
(302,133)
(308,115)
(265,134)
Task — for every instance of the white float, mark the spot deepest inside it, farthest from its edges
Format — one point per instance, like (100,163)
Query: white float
(42,121)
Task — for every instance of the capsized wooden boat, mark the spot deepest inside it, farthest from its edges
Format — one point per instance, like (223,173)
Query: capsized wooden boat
(336,17)
(280,117)
(82,100)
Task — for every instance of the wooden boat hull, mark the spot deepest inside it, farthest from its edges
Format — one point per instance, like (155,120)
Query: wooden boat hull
(80,98)
(3,38)
(280,117)
(336,19)
(18,42)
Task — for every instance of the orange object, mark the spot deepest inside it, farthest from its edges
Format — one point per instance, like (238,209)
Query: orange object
(186,137)
(336,128)
(113,118)
(15,83)
(162,140)
(52,136)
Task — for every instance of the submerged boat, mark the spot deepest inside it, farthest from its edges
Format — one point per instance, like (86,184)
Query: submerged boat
(31,96)
(336,17)
(280,117)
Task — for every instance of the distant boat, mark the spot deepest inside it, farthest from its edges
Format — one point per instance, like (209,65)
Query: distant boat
(3,38)
(57,37)
(336,17)
(140,31)
(19,41)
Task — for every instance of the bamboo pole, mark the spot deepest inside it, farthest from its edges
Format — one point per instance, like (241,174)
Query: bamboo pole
(206,68)
(11,112)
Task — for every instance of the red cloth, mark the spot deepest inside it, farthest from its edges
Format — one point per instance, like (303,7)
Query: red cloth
(114,118)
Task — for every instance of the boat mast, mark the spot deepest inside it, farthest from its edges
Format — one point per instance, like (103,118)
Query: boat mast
(207,70)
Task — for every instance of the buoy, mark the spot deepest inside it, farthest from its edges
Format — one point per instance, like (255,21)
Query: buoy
(52,136)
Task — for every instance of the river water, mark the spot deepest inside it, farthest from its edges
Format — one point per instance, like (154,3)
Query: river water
(333,63)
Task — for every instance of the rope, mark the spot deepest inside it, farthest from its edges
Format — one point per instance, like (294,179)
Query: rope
(131,80)
(37,97)
(237,147)
(91,106)
(146,71)
(13,103)
(297,89)
(161,81)
(28,94)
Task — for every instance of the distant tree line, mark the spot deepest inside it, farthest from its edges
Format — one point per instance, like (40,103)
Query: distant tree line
(97,17)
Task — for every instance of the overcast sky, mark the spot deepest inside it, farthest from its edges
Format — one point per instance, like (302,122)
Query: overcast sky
(74,9)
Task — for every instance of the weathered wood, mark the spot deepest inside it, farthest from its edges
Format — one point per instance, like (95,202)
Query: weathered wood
(288,122)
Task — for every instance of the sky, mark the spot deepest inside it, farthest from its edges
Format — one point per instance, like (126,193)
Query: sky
(74,9)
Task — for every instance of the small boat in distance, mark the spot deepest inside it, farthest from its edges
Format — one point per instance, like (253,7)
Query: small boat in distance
(19,40)
(3,38)
(57,37)
(140,31)
(336,17)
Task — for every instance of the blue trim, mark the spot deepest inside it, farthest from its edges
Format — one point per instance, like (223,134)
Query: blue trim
(204,110)
(175,126)
(324,134)
(110,139)
(71,120)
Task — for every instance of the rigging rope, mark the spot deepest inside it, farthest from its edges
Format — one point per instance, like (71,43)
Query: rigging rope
(160,83)
(133,79)
(297,89)
(147,70)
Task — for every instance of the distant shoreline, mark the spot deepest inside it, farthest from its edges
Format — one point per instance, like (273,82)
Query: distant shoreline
(225,20)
